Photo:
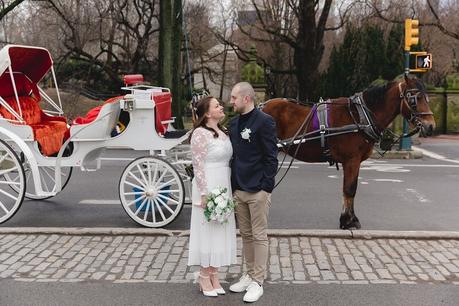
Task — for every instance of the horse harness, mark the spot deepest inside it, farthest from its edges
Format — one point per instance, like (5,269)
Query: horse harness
(322,129)
(365,122)
(410,98)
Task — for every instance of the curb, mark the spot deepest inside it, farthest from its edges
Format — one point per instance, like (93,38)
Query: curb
(394,154)
(343,234)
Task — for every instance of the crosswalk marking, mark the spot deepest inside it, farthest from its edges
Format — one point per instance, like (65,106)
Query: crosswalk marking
(435,155)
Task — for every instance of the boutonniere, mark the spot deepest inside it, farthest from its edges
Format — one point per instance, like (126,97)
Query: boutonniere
(245,134)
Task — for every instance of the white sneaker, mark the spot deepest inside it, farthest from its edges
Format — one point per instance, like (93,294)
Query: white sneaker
(242,284)
(254,292)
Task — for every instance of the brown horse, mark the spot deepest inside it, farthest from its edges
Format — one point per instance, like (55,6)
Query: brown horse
(383,104)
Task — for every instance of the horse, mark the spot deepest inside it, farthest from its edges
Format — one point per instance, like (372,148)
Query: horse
(382,104)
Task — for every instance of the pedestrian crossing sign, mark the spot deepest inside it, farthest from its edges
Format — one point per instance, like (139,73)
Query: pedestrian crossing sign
(424,61)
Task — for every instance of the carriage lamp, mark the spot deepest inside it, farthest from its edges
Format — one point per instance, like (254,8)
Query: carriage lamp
(128,103)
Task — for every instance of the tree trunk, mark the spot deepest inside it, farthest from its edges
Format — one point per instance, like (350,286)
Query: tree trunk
(165,43)
(307,73)
(309,48)
(222,86)
(169,53)
(177,64)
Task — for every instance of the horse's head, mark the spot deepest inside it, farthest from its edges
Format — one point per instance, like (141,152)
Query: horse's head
(414,105)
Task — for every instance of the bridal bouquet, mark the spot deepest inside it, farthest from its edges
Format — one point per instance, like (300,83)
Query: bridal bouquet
(219,206)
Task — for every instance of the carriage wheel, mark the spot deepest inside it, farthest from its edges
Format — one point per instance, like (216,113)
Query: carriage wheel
(10,199)
(184,169)
(46,177)
(184,172)
(151,191)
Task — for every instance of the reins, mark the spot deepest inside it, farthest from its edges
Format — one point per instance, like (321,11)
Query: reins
(301,129)
(408,97)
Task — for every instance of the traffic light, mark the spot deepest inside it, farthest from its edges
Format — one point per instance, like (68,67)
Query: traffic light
(411,33)
(424,61)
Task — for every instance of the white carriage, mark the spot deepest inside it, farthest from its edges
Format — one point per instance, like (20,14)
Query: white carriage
(38,148)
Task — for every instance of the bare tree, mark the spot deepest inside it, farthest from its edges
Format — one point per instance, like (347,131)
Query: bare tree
(212,61)
(297,27)
(115,36)
(8,6)
(439,28)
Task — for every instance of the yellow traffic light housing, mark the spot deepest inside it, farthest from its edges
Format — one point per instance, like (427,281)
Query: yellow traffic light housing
(411,33)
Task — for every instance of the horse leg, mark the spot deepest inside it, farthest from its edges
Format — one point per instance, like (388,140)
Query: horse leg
(348,218)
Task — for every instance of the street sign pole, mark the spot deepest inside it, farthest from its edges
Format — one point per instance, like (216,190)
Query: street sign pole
(411,38)
(405,142)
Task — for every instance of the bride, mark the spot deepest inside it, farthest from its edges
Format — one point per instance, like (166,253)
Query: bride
(212,244)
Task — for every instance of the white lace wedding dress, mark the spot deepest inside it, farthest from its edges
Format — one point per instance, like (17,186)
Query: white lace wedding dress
(211,243)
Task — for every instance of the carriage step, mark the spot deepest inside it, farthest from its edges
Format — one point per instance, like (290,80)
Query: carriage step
(175,134)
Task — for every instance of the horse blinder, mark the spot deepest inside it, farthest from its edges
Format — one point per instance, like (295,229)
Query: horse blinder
(411,98)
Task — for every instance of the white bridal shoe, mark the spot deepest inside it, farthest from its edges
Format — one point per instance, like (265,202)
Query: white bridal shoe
(242,284)
(212,293)
(219,290)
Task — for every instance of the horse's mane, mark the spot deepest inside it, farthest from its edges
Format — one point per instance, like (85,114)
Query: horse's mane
(375,94)
(302,103)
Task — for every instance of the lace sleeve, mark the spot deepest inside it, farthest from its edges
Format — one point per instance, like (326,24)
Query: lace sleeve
(199,141)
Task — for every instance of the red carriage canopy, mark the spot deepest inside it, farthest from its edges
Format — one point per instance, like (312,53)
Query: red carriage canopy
(34,62)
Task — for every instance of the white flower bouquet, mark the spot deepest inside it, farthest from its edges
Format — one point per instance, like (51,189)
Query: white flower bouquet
(219,206)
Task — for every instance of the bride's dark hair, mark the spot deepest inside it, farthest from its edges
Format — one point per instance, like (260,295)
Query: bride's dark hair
(202,107)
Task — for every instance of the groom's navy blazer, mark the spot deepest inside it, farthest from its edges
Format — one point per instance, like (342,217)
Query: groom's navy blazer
(254,162)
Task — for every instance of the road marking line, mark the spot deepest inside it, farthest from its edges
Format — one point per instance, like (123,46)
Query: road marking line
(106,202)
(419,196)
(367,162)
(388,180)
(100,202)
(435,155)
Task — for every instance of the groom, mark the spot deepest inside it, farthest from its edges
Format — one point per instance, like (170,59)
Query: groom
(253,169)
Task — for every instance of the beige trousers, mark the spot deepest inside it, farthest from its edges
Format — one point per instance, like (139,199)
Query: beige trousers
(252,215)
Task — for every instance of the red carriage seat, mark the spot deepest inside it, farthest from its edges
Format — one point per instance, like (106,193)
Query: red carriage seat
(133,79)
(163,111)
(49,131)
(92,114)
(163,100)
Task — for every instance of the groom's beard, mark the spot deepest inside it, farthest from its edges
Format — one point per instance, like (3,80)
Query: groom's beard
(238,110)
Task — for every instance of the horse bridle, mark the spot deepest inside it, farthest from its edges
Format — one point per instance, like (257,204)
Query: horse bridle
(195,97)
(409,98)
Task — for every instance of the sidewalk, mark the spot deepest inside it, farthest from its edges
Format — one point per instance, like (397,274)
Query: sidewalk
(294,259)
(415,153)
(443,137)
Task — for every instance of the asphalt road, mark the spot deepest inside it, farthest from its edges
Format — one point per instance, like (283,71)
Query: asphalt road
(107,293)
(392,195)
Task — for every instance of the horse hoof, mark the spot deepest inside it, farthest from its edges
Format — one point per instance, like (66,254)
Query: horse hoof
(344,222)
(355,223)
(349,222)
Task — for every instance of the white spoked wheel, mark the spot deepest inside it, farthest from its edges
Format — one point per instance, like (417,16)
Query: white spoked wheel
(47,180)
(185,174)
(151,191)
(10,198)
